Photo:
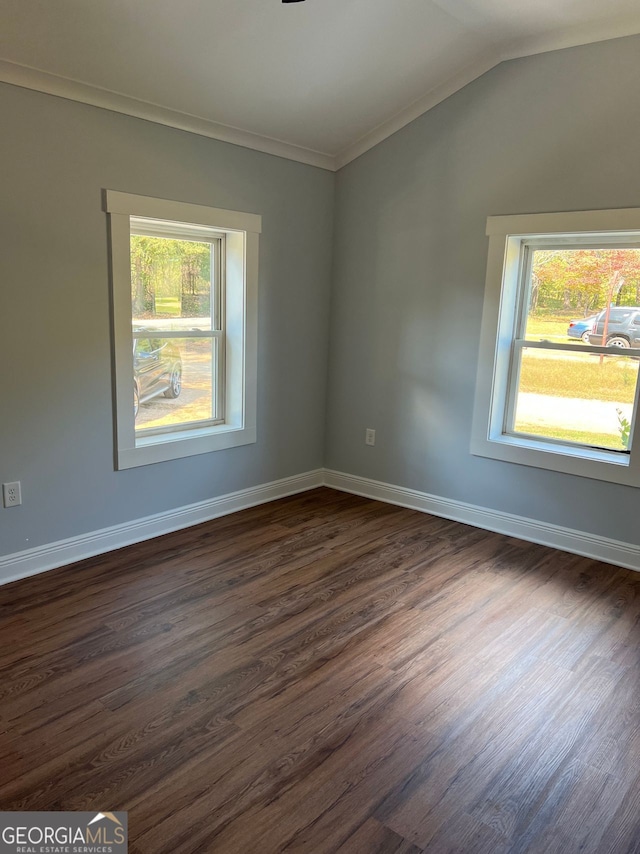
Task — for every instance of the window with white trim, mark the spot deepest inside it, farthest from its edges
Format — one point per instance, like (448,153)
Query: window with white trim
(557,382)
(184,288)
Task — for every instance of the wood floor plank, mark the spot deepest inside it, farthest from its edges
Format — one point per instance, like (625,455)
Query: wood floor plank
(478,736)
(574,812)
(374,838)
(621,833)
(462,833)
(329,674)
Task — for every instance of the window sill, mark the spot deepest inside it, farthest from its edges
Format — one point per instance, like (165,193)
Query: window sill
(584,462)
(186,443)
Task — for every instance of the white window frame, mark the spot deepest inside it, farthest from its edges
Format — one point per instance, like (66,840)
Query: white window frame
(239,235)
(509,237)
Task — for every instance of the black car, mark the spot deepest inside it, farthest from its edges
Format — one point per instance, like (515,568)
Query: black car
(623,329)
(157,369)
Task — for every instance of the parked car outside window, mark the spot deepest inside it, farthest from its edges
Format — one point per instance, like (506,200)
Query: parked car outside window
(582,328)
(623,328)
(157,369)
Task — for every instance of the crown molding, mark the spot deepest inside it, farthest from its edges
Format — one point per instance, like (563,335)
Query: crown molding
(73,90)
(575,36)
(485,62)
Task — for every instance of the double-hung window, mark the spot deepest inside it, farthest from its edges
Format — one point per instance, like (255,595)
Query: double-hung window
(184,281)
(557,382)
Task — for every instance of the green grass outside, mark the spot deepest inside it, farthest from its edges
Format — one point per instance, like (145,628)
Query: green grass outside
(582,437)
(613,380)
(569,376)
(170,306)
(550,328)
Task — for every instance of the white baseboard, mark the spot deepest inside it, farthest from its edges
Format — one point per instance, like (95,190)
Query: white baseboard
(566,539)
(42,558)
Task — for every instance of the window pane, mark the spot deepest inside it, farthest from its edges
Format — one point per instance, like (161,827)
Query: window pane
(578,398)
(171,283)
(570,288)
(175,380)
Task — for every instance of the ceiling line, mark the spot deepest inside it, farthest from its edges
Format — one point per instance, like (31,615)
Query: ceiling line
(85,93)
(483,63)
(74,90)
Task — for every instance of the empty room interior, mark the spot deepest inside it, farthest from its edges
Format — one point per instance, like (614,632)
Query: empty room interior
(320,327)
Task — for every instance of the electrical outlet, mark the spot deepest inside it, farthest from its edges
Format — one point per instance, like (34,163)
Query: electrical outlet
(11,494)
(370,436)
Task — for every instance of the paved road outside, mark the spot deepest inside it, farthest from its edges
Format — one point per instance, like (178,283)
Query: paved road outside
(571,413)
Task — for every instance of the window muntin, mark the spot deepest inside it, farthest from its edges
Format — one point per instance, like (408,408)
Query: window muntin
(195,309)
(501,427)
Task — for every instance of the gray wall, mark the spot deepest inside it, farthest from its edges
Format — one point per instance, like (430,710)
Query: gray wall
(559,131)
(555,132)
(56,431)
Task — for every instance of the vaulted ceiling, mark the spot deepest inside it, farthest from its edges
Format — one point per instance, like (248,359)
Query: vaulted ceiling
(319,81)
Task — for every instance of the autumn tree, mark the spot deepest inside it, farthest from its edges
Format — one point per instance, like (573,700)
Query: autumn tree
(584,279)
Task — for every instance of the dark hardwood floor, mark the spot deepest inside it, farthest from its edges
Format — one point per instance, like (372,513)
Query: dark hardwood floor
(329,674)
